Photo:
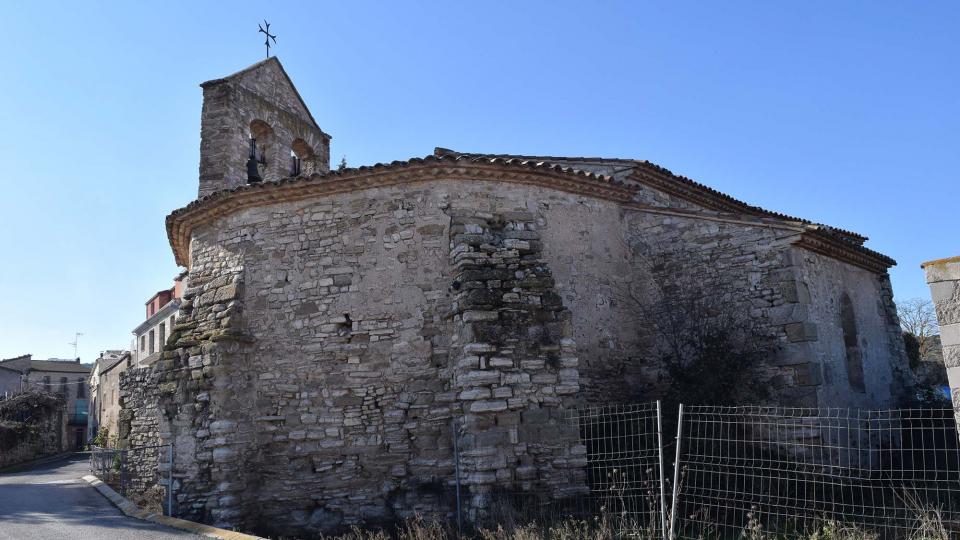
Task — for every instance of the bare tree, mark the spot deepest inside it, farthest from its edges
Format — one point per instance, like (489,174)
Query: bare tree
(708,347)
(918,318)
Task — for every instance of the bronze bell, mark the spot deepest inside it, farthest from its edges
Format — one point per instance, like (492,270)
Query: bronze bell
(253,171)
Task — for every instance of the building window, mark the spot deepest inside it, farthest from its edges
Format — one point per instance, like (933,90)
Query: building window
(81,388)
(46,383)
(143,343)
(151,341)
(63,386)
(172,318)
(163,336)
(851,342)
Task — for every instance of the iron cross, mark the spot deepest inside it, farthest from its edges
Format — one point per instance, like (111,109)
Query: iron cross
(266,40)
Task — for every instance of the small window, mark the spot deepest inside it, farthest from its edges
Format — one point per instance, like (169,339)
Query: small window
(163,336)
(46,383)
(152,342)
(63,386)
(172,318)
(81,388)
(143,343)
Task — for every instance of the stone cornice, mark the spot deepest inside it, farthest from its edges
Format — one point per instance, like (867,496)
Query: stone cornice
(182,222)
(826,244)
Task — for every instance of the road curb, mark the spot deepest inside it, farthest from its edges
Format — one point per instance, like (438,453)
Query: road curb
(134,511)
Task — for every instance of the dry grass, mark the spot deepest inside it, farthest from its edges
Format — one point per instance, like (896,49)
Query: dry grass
(152,500)
(928,526)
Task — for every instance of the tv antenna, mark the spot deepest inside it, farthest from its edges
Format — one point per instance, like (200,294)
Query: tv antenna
(76,340)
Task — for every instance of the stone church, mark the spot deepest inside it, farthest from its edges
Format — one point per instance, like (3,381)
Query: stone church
(336,324)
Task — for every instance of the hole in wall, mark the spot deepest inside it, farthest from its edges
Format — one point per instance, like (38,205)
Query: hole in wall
(344,329)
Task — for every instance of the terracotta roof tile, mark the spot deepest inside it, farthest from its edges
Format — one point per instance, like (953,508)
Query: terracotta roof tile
(644,172)
(641,166)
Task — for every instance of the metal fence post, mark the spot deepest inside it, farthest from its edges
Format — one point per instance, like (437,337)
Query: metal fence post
(456,469)
(663,496)
(170,480)
(676,476)
(123,467)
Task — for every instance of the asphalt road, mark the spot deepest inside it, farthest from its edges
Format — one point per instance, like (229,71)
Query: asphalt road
(52,501)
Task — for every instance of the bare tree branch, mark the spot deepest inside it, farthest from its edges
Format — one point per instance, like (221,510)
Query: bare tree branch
(917,317)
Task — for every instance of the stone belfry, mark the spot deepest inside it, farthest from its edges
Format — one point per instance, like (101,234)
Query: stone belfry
(256,127)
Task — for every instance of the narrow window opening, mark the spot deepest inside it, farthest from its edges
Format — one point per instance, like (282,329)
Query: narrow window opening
(851,343)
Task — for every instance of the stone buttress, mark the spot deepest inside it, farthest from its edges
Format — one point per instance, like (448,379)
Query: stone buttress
(514,364)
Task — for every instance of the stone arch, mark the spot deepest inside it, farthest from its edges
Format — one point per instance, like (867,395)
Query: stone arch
(851,343)
(300,152)
(301,149)
(262,136)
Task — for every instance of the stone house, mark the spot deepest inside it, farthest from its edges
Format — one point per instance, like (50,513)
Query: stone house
(335,325)
(65,377)
(11,381)
(104,408)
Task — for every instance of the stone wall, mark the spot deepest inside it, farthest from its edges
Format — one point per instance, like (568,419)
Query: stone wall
(32,425)
(736,267)
(141,429)
(943,276)
(875,333)
(204,391)
(328,347)
(514,362)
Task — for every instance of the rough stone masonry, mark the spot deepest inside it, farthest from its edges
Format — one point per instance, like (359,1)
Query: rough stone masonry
(337,327)
(943,277)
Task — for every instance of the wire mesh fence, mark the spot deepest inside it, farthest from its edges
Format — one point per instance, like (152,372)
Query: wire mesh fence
(730,472)
(142,473)
(616,483)
(761,472)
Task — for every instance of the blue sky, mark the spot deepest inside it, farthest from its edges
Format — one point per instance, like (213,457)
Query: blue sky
(845,113)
